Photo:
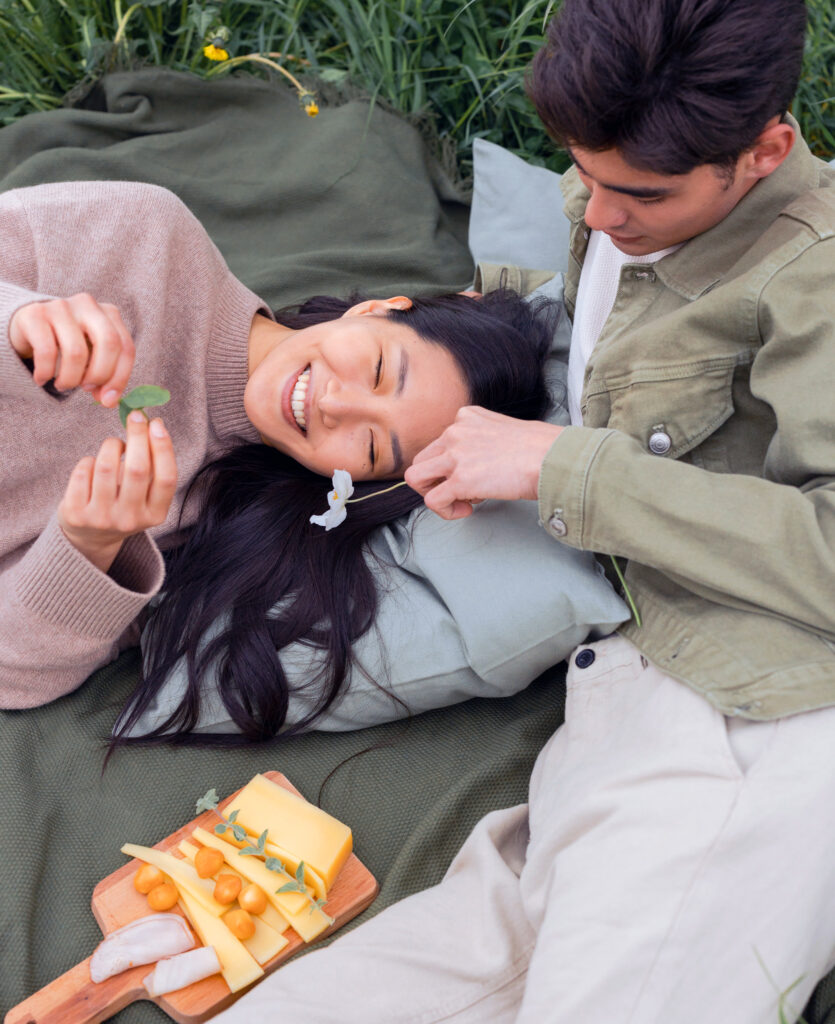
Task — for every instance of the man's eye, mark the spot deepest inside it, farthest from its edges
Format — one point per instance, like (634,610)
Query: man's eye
(649,202)
(372,454)
(379,372)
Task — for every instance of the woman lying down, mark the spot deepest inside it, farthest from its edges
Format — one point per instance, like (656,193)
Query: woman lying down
(109,285)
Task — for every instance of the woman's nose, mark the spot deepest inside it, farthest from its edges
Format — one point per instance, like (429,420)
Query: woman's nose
(604,212)
(342,403)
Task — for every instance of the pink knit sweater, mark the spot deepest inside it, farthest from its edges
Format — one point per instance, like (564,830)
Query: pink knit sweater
(139,247)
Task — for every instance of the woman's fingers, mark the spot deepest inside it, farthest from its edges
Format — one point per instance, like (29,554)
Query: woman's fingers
(136,473)
(75,341)
(113,358)
(164,482)
(105,483)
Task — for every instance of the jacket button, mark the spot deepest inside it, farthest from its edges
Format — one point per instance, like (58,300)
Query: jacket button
(584,658)
(660,442)
(557,526)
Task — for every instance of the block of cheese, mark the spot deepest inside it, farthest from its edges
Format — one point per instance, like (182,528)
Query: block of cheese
(309,833)
(310,921)
(238,966)
(180,872)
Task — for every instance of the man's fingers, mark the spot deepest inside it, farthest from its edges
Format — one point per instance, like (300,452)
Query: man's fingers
(164,481)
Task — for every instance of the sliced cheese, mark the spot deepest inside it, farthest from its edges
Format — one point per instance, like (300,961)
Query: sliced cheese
(267,940)
(313,835)
(309,921)
(254,870)
(238,966)
(180,872)
(314,882)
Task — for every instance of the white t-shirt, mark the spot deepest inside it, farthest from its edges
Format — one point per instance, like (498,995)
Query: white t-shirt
(596,294)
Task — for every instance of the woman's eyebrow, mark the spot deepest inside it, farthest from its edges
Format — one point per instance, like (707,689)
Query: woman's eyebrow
(401,374)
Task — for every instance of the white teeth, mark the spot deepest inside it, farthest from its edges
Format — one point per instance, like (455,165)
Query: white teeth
(298,396)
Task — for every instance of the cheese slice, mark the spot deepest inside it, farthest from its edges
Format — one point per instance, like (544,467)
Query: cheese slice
(315,883)
(254,870)
(311,834)
(238,966)
(267,941)
(309,921)
(183,874)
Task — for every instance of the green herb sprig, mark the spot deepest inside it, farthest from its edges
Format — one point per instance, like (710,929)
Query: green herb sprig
(141,397)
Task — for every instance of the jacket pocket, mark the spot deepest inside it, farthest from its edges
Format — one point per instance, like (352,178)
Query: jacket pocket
(670,410)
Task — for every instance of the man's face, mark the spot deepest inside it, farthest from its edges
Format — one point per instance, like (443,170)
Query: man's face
(643,212)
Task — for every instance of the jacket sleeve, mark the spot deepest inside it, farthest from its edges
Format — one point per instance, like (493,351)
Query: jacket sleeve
(766,544)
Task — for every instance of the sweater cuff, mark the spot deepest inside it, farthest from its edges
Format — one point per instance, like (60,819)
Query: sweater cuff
(58,583)
(15,377)
(563,482)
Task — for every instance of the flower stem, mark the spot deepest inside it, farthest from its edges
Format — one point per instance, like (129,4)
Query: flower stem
(353,501)
(626,593)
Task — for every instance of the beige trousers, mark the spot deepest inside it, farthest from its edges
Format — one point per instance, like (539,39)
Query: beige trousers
(671,865)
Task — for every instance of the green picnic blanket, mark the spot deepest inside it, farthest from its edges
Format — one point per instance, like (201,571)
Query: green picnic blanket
(298,206)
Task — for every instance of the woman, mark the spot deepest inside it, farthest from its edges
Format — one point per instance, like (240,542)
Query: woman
(359,386)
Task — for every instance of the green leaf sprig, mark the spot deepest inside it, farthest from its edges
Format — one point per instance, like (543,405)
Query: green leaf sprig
(140,397)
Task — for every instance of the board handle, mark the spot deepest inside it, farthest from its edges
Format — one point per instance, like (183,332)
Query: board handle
(74,999)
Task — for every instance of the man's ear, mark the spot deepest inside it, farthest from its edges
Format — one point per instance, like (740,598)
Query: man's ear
(379,307)
(773,145)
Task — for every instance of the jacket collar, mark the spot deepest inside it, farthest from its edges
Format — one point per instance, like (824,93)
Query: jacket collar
(702,261)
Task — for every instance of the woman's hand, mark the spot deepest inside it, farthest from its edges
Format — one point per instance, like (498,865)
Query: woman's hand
(481,455)
(77,341)
(109,498)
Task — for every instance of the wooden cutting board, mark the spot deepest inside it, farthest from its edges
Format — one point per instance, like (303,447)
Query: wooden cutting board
(75,999)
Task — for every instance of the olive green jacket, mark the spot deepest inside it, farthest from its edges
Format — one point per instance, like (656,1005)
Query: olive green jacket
(707,454)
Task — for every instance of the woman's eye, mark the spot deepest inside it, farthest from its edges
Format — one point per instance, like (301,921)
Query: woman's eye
(372,454)
(379,371)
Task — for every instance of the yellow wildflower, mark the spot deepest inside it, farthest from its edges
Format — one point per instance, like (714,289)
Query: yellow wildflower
(311,108)
(215,52)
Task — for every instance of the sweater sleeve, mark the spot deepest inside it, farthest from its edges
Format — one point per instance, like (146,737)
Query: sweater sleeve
(759,543)
(61,618)
(18,287)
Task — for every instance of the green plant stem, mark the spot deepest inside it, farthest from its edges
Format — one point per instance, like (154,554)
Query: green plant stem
(626,592)
(353,501)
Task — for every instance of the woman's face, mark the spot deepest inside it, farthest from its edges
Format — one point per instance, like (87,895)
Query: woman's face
(359,393)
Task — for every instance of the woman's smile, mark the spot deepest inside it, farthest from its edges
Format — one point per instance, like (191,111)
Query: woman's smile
(361,392)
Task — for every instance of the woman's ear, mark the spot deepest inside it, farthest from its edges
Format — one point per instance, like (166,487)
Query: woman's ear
(379,307)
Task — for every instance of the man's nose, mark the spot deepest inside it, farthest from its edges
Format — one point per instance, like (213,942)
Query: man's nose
(604,212)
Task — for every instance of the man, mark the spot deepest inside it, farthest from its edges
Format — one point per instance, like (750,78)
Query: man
(674,863)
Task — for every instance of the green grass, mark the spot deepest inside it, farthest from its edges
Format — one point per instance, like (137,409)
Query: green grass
(459,62)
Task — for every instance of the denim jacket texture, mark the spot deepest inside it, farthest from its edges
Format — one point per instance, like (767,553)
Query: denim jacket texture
(707,454)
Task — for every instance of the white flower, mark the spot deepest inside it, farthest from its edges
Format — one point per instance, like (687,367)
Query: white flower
(343,488)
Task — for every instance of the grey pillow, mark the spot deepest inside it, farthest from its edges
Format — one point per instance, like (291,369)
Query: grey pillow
(516,215)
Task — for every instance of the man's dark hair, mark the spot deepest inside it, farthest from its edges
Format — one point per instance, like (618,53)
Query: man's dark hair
(672,84)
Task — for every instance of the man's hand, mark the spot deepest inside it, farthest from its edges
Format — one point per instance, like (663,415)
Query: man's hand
(78,342)
(109,498)
(482,455)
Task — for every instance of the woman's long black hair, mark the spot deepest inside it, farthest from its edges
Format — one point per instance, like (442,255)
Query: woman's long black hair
(254,565)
